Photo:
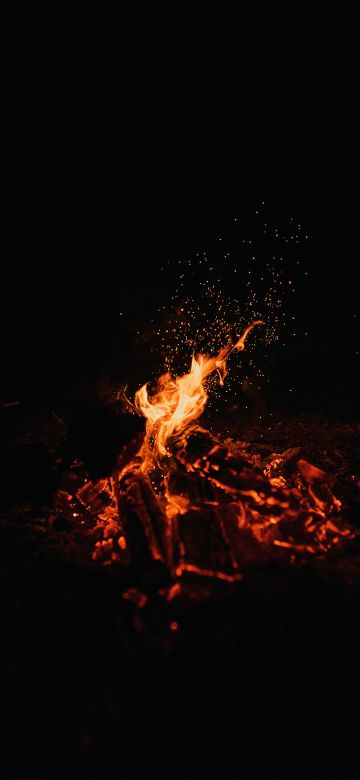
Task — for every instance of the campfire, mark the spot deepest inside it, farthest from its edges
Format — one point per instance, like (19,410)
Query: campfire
(200,508)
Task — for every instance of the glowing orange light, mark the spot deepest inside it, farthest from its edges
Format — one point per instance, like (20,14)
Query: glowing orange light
(178,402)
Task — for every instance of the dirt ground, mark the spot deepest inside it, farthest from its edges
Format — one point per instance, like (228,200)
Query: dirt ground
(256,682)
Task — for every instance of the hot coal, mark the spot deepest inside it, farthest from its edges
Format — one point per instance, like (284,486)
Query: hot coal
(144,520)
(94,645)
(215,514)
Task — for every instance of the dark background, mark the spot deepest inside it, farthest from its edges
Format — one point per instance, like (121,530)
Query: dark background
(133,133)
(133,136)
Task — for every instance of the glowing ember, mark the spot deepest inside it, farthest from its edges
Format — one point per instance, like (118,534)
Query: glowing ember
(199,508)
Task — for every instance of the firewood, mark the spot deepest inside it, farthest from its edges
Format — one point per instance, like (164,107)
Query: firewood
(144,518)
(202,547)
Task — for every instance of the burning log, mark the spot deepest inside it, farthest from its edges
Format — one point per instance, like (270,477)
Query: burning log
(183,500)
(213,515)
(195,487)
(144,519)
(202,546)
(245,549)
(231,473)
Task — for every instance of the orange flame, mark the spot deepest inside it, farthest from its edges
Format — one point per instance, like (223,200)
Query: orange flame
(178,402)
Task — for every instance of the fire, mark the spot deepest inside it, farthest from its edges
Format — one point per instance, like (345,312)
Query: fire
(203,508)
(179,402)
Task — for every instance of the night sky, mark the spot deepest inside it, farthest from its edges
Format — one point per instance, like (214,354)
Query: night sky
(135,136)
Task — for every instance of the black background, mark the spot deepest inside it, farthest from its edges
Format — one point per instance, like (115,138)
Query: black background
(134,135)
(130,134)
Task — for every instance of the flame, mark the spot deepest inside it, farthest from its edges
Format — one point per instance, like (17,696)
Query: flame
(178,402)
(200,507)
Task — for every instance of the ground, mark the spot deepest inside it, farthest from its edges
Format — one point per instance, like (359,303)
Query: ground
(254,683)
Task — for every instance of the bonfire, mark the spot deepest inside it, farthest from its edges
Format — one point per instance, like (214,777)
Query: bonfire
(186,501)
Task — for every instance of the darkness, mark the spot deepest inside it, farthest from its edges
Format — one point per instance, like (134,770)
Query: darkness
(135,137)
(133,134)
